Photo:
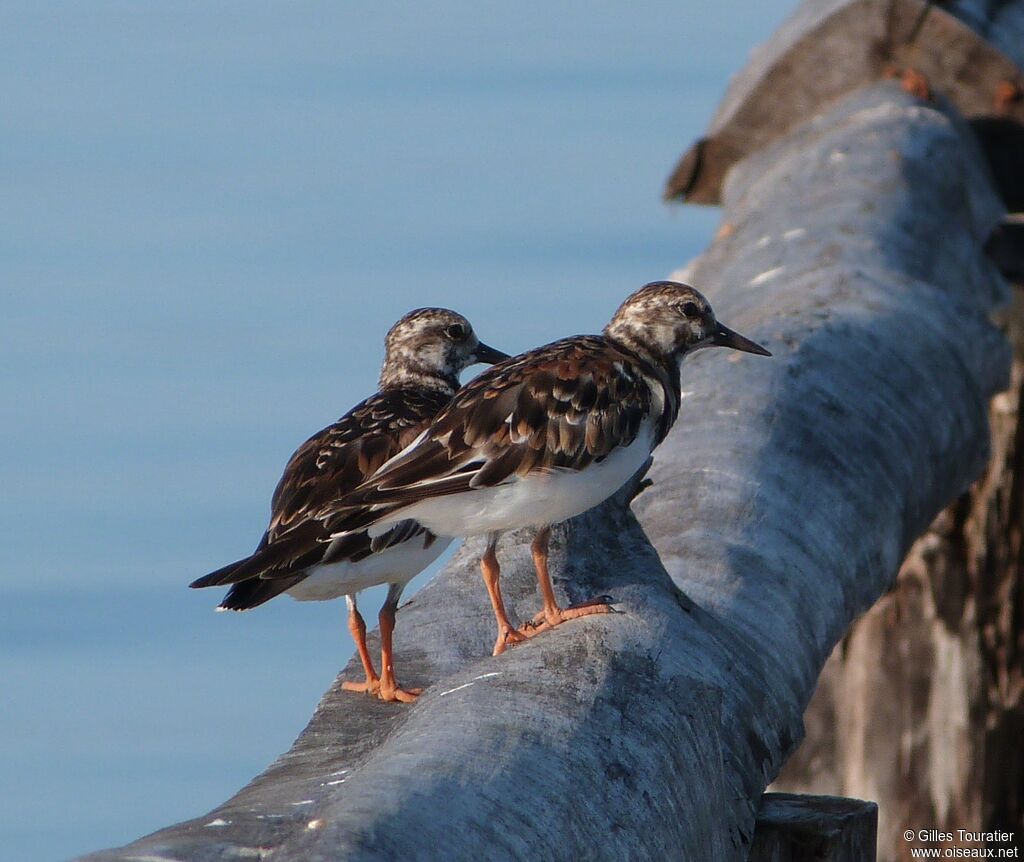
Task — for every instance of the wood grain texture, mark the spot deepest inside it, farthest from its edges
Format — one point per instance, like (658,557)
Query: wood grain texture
(921,707)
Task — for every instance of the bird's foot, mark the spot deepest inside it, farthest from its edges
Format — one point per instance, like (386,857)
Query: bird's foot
(384,690)
(551,617)
(508,636)
(371,686)
(392,693)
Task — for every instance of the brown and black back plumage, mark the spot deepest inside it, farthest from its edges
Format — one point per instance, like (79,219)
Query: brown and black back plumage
(424,353)
(339,457)
(559,407)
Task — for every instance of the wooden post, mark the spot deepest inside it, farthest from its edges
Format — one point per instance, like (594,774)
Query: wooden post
(793,828)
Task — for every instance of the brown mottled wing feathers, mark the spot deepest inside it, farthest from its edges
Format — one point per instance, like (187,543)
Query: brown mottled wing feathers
(348,452)
(563,406)
(330,463)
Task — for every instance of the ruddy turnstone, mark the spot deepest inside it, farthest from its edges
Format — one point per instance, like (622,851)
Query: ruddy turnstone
(544,436)
(424,353)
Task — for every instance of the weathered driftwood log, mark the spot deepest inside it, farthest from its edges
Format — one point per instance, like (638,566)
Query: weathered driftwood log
(921,707)
(782,505)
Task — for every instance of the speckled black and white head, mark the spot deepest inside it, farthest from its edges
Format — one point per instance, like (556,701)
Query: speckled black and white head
(430,347)
(664,320)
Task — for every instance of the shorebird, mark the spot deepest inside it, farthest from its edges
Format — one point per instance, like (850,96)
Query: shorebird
(542,437)
(424,353)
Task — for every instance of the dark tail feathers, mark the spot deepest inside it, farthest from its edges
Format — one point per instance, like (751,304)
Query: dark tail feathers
(223,575)
(256,591)
(296,551)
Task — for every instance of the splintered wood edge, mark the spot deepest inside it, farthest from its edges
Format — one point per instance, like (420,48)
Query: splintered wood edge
(814,59)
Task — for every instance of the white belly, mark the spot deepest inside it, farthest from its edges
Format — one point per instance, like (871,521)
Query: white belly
(534,501)
(397,565)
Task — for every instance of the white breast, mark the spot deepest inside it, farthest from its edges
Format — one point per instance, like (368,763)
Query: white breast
(396,565)
(537,500)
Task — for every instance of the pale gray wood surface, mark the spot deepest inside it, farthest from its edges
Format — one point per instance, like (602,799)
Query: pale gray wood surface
(782,504)
(921,706)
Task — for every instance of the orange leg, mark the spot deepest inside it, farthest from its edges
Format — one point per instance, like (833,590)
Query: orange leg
(389,688)
(552,615)
(358,629)
(507,633)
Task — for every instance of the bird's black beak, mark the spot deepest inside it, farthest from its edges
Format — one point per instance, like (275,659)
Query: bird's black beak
(484,353)
(725,337)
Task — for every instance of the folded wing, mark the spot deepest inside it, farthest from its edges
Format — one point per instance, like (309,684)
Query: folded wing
(560,407)
(324,468)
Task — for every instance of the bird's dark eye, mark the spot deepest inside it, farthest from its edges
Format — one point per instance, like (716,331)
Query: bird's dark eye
(690,309)
(456,332)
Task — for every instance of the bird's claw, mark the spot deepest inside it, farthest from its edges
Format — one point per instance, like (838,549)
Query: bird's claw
(385,691)
(371,686)
(402,695)
(549,618)
(508,637)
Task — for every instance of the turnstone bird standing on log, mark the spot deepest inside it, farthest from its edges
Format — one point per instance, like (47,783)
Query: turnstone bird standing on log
(544,436)
(424,354)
